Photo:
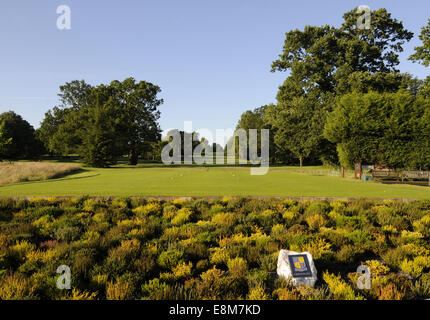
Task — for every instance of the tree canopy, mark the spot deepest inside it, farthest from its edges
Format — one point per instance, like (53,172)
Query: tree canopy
(103,122)
(19,141)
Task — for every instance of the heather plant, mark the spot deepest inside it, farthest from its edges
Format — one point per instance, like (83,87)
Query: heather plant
(210,249)
(182,216)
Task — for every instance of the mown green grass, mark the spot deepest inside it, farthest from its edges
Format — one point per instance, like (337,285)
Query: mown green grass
(157,180)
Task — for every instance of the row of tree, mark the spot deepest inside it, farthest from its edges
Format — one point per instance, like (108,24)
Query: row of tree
(344,100)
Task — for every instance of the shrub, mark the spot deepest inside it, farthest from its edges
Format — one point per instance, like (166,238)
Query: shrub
(289,217)
(316,221)
(339,288)
(319,248)
(390,292)
(377,268)
(349,253)
(219,256)
(156,290)
(170,258)
(421,287)
(279,232)
(287,294)
(119,290)
(416,266)
(169,211)
(237,267)
(78,295)
(227,219)
(16,287)
(217,208)
(183,270)
(182,216)
(67,233)
(389,216)
(257,293)
(213,284)
(153,208)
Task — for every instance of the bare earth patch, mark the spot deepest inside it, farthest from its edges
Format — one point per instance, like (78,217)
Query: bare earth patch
(31,171)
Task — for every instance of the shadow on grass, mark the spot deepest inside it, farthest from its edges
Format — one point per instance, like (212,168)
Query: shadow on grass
(61,177)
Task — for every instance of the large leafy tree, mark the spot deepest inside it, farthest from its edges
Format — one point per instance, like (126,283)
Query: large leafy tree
(101,123)
(422,56)
(324,63)
(422,53)
(381,128)
(298,135)
(4,140)
(21,136)
(250,120)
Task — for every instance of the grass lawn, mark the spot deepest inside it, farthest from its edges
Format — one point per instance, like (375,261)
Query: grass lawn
(157,180)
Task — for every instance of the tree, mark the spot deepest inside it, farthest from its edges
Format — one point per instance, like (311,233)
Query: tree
(23,143)
(422,53)
(297,124)
(51,132)
(323,63)
(381,128)
(99,146)
(4,140)
(131,125)
(250,120)
(422,56)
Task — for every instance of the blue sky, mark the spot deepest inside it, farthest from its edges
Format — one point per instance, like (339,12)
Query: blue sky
(211,58)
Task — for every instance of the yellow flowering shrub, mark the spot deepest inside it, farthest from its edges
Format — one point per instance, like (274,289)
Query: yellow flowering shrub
(339,288)
(218,255)
(183,270)
(226,219)
(316,221)
(237,266)
(257,293)
(377,268)
(153,208)
(182,216)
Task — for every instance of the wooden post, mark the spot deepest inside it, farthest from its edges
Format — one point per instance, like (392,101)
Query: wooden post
(361,170)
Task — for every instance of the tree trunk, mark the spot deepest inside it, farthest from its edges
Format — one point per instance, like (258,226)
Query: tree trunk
(301,161)
(132,157)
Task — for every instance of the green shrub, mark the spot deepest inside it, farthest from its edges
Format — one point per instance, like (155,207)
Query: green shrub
(182,216)
(170,258)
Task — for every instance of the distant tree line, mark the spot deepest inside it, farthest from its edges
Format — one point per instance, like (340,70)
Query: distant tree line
(344,101)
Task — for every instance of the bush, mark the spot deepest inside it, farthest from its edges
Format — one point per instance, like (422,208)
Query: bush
(170,258)
(16,287)
(316,221)
(182,216)
(119,290)
(237,267)
(339,288)
(153,208)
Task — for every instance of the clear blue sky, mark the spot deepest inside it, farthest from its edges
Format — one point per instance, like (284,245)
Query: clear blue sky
(211,58)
